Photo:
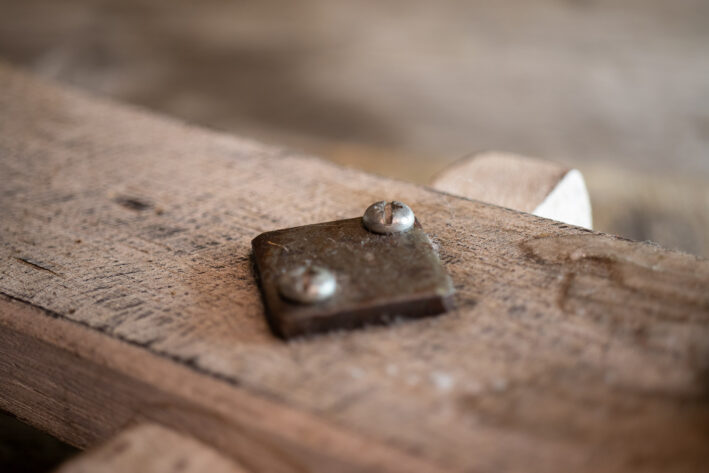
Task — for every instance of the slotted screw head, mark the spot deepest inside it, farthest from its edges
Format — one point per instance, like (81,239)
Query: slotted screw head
(307,284)
(388,217)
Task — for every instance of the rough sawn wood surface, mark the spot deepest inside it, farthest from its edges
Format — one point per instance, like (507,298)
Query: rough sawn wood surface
(569,350)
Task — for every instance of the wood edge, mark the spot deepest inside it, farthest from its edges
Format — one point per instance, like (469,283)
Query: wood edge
(492,153)
(180,398)
(565,194)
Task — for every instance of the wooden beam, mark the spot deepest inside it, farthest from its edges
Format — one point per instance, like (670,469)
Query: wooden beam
(129,295)
(150,448)
(543,188)
(85,387)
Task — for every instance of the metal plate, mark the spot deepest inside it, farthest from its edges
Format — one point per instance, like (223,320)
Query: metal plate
(380,278)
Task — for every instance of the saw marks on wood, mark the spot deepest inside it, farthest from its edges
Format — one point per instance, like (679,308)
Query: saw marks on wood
(569,349)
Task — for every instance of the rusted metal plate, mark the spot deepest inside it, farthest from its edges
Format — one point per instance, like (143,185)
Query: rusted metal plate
(380,278)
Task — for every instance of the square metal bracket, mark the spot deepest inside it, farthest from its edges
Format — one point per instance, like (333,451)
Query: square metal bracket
(379,277)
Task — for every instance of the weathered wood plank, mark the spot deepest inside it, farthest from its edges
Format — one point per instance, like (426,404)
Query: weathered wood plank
(569,350)
(150,448)
(85,387)
(543,188)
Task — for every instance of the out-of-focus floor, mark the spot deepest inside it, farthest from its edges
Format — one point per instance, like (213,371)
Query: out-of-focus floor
(618,88)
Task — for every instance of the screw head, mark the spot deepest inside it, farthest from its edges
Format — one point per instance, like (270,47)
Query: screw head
(307,284)
(388,217)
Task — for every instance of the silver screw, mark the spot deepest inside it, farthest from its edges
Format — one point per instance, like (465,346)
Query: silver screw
(307,284)
(388,217)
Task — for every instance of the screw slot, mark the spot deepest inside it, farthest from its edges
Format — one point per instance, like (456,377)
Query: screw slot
(307,284)
(388,217)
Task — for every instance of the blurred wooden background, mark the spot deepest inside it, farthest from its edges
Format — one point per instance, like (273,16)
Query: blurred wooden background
(619,89)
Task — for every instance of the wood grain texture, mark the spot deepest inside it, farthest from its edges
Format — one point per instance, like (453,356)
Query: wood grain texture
(86,387)
(569,349)
(503,179)
(150,448)
(543,188)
